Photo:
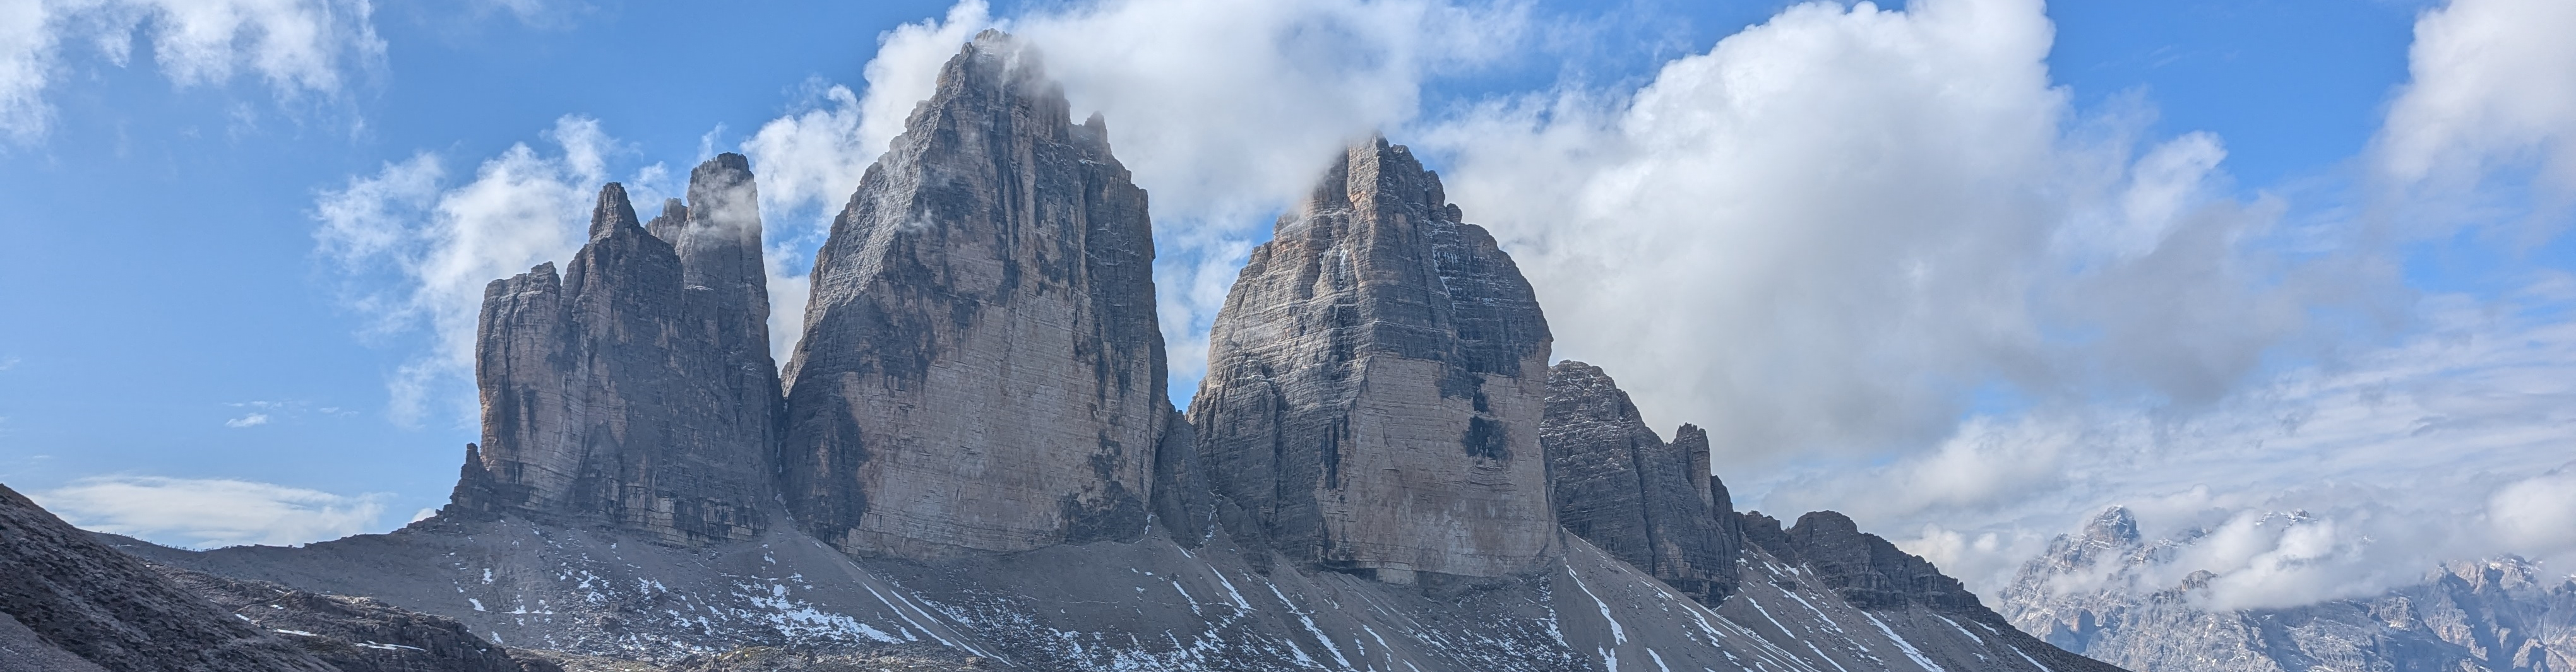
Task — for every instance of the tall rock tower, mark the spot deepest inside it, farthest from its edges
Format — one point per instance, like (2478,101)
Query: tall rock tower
(1375,385)
(636,390)
(1621,487)
(981,368)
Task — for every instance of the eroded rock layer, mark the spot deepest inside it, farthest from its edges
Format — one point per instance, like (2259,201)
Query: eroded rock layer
(635,390)
(1624,489)
(1375,384)
(981,368)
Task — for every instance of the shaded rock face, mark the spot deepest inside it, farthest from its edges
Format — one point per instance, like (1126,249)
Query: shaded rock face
(1375,384)
(981,368)
(2097,592)
(67,598)
(1864,569)
(355,634)
(1619,486)
(636,390)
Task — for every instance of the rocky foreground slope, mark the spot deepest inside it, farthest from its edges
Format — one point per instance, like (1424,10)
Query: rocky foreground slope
(2091,593)
(975,465)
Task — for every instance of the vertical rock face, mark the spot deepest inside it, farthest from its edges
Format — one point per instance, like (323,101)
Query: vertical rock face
(1622,488)
(636,390)
(1375,383)
(981,368)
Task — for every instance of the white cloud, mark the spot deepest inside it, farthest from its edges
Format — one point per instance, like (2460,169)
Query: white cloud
(298,47)
(1225,111)
(210,513)
(252,420)
(443,244)
(2324,482)
(2537,514)
(2493,87)
(1829,232)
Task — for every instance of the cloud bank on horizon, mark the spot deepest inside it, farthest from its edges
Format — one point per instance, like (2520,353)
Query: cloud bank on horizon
(1834,238)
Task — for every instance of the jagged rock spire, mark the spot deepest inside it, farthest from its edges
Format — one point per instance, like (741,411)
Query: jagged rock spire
(1624,489)
(981,368)
(1375,384)
(635,390)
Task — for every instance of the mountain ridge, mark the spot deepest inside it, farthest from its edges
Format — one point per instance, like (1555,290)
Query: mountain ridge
(971,462)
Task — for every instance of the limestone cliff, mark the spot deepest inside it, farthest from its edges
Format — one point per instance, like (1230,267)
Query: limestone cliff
(1375,384)
(981,368)
(1619,486)
(636,390)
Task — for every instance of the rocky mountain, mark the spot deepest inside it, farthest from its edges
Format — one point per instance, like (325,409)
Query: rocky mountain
(981,368)
(635,390)
(2094,593)
(72,603)
(975,465)
(1375,382)
(1618,485)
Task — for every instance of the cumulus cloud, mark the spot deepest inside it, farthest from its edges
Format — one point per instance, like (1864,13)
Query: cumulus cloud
(1225,111)
(441,244)
(2493,89)
(1832,230)
(297,47)
(210,513)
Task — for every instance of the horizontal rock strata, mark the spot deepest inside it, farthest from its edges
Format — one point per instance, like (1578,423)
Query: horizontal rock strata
(981,368)
(1624,489)
(1375,384)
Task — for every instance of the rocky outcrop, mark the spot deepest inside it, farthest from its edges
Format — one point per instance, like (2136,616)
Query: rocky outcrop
(981,368)
(355,634)
(636,390)
(1619,486)
(2097,592)
(1375,384)
(1864,568)
(66,597)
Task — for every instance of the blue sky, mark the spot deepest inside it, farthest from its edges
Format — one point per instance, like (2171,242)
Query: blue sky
(174,311)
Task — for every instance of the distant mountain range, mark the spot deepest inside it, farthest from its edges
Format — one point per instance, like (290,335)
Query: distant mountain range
(970,462)
(2087,594)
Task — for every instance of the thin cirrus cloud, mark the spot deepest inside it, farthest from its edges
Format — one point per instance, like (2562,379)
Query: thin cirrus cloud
(210,513)
(297,47)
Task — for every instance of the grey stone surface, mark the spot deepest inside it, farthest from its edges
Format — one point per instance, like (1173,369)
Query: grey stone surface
(981,369)
(73,595)
(354,634)
(1375,384)
(2090,593)
(637,389)
(1624,489)
(1864,569)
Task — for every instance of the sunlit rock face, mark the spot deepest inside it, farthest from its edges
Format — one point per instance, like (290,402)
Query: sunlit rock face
(1375,384)
(636,389)
(981,368)
(2097,592)
(1621,487)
